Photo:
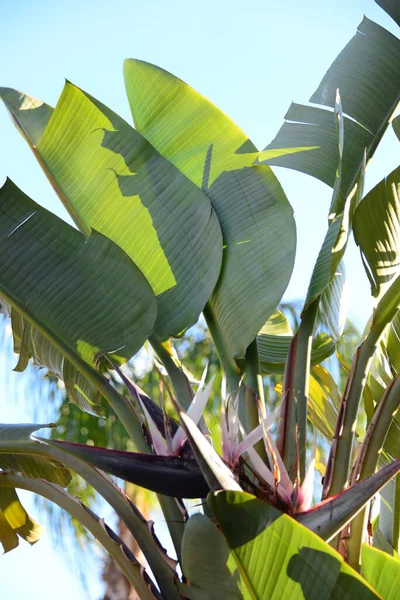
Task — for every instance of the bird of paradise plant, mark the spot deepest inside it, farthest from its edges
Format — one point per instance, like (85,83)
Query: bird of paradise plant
(184,215)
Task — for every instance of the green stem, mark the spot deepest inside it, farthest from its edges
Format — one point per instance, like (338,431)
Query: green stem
(254,394)
(367,463)
(389,516)
(115,547)
(339,461)
(232,372)
(295,396)
(178,378)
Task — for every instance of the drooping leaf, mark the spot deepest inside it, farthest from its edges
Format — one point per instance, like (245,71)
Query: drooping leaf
(169,475)
(110,178)
(381,571)
(295,563)
(254,214)
(204,562)
(377,233)
(29,342)
(332,308)
(12,437)
(331,515)
(14,516)
(87,297)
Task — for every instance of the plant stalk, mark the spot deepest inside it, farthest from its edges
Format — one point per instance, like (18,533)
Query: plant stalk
(254,394)
(367,463)
(339,462)
(295,397)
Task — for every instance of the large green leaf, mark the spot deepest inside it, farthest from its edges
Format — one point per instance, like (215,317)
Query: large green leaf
(110,178)
(381,571)
(255,216)
(86,296)
(308,126)
(377,232)
(367,73)
(11,438)
(204,562)
(391,7)
(279,558)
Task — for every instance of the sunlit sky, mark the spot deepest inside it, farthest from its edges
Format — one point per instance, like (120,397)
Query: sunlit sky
(251,59)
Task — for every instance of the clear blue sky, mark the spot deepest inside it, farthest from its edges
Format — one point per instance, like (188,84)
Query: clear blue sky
(251,59)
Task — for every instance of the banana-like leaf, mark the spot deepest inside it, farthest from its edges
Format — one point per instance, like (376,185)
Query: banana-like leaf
(204,562)
(330,516)
(110,178)
(273,350)
(396,126)
(11,437)
(308,126)
(295,563)
(323,399)
(277,324)
(169,475)
(391,7)
(381,571)
(381,542)
(332,308)
(85,296)
(30,343)
(15,521)
(255,217)
(367,73)
(377,232)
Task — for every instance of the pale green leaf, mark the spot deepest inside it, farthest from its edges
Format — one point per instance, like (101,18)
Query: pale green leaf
(277,324)
(377,232)
(17,517)
(278,558)
(273,350)
(255,217)
(381,571)
(110,178)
